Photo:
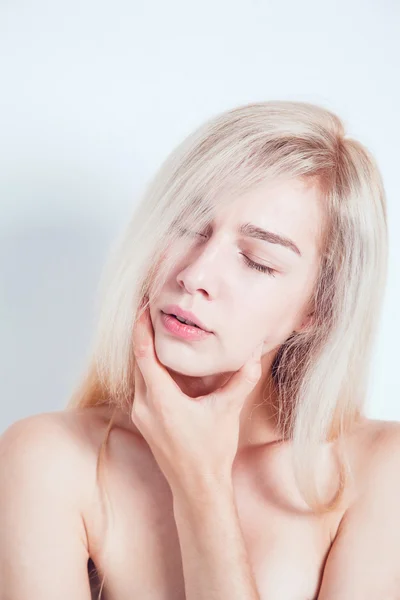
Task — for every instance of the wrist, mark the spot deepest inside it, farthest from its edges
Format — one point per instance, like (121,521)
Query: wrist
(202,492)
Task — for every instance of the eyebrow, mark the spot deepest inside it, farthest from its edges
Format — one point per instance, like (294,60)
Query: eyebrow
(250,230)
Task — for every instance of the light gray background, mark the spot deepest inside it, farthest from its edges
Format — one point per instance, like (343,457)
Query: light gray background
(95,94)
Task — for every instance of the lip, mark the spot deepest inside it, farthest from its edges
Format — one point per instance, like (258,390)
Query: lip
(186,332)
(174,309)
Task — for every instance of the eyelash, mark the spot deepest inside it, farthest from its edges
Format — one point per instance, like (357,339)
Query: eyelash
(262,268)
(249,262)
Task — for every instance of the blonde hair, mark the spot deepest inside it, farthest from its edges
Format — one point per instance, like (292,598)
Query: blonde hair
(321,373)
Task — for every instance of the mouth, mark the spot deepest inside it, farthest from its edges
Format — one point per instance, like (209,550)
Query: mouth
(183,328)
(183,321)
(186,322)
(185,317)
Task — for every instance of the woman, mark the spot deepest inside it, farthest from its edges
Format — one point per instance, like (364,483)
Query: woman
(222,414)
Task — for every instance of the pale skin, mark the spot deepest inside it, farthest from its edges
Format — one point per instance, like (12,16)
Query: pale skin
(195,443)
(201,487)
(218,285)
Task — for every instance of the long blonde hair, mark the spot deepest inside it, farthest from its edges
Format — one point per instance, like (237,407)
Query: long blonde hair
(322,373)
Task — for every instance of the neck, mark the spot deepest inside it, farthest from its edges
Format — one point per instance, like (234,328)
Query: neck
(257,426)
(258,415)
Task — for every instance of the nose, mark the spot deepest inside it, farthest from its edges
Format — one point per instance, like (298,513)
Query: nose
(202,270)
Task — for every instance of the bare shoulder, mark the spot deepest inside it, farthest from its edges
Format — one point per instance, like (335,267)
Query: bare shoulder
(379,451)
(46,480)
(372,454)
(66,440)
(45,440)
(369,531)
(374,445)
(70,431)
(376,431)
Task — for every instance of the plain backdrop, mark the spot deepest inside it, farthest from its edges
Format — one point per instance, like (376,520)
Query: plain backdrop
(94,95)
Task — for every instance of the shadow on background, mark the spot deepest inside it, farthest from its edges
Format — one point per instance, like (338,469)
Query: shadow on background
(48,279)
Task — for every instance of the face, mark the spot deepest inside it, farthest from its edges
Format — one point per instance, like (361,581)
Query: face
(244,289)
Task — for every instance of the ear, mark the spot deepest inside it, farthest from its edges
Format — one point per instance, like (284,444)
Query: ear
(306,324)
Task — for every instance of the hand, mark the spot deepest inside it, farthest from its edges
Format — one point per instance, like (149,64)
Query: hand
(192,439)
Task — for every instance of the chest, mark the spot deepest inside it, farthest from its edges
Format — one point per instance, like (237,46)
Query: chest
(140,553)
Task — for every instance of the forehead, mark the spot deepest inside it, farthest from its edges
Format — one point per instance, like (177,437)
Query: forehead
(290,207)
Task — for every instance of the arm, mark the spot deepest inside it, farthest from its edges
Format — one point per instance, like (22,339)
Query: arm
(188,438)
(214,555)
(364,561)
(43,546)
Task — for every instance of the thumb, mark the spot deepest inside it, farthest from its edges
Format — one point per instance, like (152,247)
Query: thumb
(244,380)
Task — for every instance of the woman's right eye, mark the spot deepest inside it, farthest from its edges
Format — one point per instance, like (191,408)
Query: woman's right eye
(186,231)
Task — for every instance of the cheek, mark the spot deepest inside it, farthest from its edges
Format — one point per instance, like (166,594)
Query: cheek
(271,318)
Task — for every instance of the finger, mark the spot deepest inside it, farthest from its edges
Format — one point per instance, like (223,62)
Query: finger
(239,386)
(140,385)
(140,407)
(142,334)
(156,377)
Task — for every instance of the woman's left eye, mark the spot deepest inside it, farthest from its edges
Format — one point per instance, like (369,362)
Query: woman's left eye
(258,267)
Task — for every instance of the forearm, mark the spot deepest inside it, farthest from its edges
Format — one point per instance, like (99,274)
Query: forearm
(214,556)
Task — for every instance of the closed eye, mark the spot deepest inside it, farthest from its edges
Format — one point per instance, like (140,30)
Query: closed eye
(187,232)
(250,263)
(258,267)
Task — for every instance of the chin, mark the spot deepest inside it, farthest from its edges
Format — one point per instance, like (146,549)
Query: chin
(189,367)
(188,371)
